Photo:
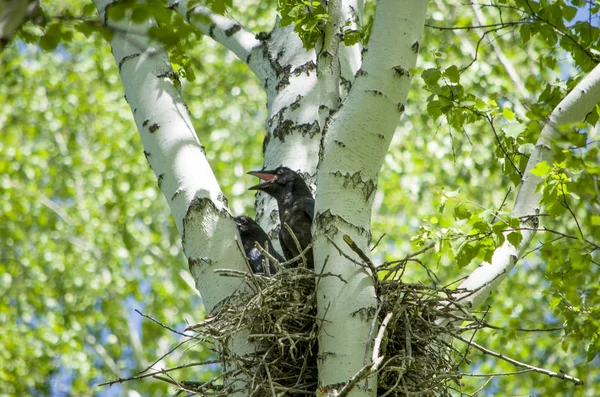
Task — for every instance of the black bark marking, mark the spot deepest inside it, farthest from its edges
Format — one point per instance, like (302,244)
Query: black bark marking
(145,123)
(263,36)
(266,142)
(283,128)
(306,68)
(198,207)
(296,104)
(169,74)
(221,197)
(177,193)
(193,262)
(400,107)
(325,221)
(127,58)
(399,71)
(233,30)
(346,84)
(365,313)
(153,128)
(285,77)
(354,180)
(415,47)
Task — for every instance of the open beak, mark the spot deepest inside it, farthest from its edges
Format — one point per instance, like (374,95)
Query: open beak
(267,177)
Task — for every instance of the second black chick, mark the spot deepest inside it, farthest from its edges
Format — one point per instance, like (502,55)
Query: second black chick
(252,233)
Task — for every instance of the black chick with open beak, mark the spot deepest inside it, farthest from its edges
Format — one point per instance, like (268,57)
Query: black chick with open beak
(252,233)
(296,208)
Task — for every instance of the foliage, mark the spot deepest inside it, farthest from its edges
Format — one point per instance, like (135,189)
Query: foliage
(86,235)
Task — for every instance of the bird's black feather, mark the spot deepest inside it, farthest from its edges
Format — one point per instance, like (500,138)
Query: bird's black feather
(296,209)
(251,233)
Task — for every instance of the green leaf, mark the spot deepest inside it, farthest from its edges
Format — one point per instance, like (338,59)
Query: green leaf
(51,38)
(555,301)
(513,130)
(431,76)
(526,149)
(452,74)
(525,32)
(541,169)
(482,227)
(140,13)
(460,212)
(466,253)
(89,9)
(499,227)
(514,238)
(568,13)
(508,113)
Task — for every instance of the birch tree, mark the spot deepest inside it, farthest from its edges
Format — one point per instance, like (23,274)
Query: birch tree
(337,81)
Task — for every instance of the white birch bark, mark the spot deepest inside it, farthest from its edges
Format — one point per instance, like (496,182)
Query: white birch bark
(287,72)
(355,142)
(573,108)
(13,14)
(177,158)
(209,235)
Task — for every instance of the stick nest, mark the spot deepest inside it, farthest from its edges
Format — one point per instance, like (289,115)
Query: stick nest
(278,314)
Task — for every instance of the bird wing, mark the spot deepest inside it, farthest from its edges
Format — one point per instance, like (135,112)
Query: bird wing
(309,207)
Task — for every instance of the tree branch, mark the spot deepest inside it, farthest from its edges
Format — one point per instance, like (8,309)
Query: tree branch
(177,158)
(209,235)
(226,31)
(560,375)
(356,140)
(574,107)
(13,14)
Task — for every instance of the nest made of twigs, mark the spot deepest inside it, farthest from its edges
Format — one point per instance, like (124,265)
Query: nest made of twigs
(279,316)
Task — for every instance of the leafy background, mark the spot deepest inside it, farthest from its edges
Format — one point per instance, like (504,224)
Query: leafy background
(87,237)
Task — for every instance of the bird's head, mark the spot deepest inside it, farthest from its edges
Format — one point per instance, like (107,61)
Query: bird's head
(245,224)
(281,181)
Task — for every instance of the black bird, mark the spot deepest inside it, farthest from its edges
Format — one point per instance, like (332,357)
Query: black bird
(251,233)
(296,208)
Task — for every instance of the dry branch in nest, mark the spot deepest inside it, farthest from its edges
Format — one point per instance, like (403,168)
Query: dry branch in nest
(419,359)
(279,315)
(412,354)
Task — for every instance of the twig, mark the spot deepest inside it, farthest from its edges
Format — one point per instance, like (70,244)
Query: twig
(378,241)
(271,258)
(377,345)
(560,375)
(298,246)
(348,240)
(162,325)
(162,371)
(482,386)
